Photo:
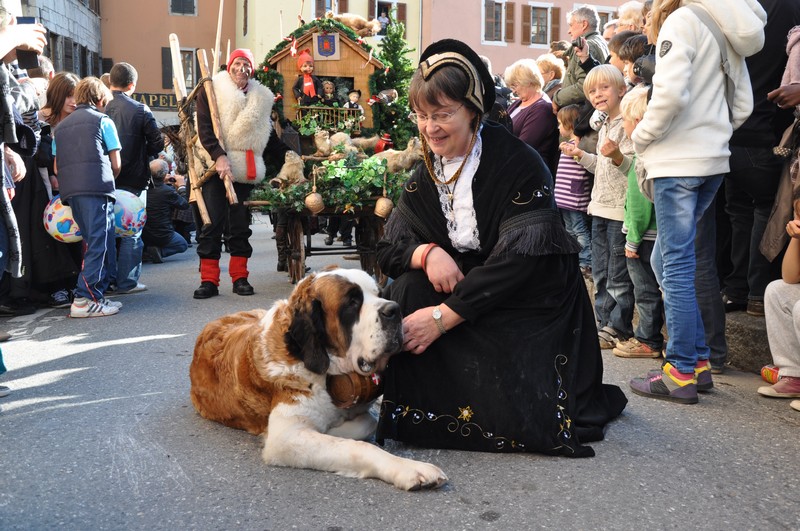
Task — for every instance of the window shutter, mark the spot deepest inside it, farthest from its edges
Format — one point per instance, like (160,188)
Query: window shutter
(108,63)
(555,23)
(319,8)
(371,10)
(166,68)
(401,16)
(488,14)
(510,21)
(525,26)
(69,52)
(342,6)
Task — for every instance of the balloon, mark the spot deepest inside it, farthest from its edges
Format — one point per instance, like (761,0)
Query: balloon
(59,223)
(129,213)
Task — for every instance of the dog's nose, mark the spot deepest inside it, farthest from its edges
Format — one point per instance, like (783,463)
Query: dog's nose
(390,312)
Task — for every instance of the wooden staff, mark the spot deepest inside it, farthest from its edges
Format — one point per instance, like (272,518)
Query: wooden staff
(219,34)
(179,83)
(214,111)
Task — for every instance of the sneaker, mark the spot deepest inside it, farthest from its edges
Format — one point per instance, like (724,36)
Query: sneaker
(155,254)
(755,308)
(787,387)
(667,384)
(60,299)
(702,374)
(607,337)
(136,289)
(795,404)
(109,302)
(633,348)
(4,391)
(83,307)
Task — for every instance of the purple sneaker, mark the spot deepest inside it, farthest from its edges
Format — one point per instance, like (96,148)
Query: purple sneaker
(702,374)
(663,385)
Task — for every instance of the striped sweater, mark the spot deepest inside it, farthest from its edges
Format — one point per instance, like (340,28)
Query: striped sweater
(573,188)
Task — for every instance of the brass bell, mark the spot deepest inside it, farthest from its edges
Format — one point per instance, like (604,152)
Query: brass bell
(383,207)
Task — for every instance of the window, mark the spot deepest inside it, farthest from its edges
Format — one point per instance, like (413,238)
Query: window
(182,7)
(498,22)
(190,68)
(541,24)
(375,8)
(323,6)
(605,13)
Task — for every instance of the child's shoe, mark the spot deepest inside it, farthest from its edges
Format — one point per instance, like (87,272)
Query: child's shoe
(667,384)
(83,307)
(633,348)
(786,387)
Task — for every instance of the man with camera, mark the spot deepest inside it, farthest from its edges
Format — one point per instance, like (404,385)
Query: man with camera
(583,23)
(166,194)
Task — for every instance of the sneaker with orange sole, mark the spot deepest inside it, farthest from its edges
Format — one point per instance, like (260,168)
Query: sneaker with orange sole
(633,348)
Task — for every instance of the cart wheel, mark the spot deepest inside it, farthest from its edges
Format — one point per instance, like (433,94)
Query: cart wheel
(297,251)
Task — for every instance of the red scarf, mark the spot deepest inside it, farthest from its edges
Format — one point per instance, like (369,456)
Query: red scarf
(308,85)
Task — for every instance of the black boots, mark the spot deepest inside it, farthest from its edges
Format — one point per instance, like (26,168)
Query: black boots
(207,290)
(242,287)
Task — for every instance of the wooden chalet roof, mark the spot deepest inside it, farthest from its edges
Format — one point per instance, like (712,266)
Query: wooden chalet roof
(305,42)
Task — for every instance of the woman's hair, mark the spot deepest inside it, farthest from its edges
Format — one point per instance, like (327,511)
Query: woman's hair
(61,87)
(524,72)
(550,63)
(661,10)
(446,83)
(631,13)
(91,91)
(633,48)
(619,39)
(634,103)
(568,115)
(603,74)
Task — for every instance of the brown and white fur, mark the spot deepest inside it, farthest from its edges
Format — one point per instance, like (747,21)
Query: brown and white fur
(362,26)
(291,172)
(265,371)
(402,160)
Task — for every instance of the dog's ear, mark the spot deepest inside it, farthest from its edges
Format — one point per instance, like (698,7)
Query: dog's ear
(306,339)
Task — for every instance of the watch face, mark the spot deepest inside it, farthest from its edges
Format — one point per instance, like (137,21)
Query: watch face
(437,314)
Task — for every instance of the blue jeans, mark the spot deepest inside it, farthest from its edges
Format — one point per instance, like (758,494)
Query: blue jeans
(94,214)
(613,302)
(579,225)
(177,244)
(648,297)
(680,203)
(706,284)
(129,260)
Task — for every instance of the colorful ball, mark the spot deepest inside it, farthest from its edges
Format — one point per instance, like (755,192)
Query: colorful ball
(59,223)
(129,214)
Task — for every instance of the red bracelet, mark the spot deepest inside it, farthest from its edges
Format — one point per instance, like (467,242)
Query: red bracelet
(427,250)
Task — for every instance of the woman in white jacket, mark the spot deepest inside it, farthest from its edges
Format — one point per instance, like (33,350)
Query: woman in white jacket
(683,142)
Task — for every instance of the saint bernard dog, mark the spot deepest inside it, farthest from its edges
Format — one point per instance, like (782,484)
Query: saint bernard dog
(266,371)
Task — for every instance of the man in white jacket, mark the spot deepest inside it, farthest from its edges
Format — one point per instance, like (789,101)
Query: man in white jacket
(683,143)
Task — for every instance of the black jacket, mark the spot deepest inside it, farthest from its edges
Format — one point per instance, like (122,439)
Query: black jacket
(140,139)
(161,200)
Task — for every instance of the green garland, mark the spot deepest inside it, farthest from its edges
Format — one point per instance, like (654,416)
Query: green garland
(344,184)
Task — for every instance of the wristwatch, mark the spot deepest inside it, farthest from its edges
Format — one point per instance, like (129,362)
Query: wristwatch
(437,318)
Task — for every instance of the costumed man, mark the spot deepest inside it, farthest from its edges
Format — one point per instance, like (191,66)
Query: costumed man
(308,88)
(249,138)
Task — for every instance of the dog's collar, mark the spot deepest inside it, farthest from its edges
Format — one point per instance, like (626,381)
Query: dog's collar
(347,390)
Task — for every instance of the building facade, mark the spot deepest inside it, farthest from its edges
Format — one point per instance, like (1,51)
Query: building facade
(137,32)
(73,32)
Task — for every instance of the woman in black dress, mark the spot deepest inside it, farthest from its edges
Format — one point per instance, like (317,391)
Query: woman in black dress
(501,350)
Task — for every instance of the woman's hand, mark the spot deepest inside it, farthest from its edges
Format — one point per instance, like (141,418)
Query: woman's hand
(15,164)
(786,96)
(443,272)
(420,330)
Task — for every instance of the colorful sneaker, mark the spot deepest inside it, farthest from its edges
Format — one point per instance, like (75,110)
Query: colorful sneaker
(668,384)
(633,348)
(787,387)
(83,307)
(702,373)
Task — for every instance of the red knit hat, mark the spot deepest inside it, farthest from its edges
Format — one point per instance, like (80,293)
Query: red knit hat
(304,57)
(247,54)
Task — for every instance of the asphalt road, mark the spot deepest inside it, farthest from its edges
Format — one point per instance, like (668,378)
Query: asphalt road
(99,433)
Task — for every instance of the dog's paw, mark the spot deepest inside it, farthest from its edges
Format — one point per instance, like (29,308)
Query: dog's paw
(416,475)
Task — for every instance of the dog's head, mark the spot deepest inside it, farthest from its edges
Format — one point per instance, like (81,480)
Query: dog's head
(339,323)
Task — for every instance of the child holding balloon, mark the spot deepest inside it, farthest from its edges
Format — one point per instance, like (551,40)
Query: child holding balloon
(86,172)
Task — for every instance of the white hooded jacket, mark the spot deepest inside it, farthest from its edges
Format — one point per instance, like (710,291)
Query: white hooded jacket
(687,126)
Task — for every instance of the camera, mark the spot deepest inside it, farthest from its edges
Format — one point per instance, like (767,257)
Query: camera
(171,180)
(25,58)
(644,67)
(578,43)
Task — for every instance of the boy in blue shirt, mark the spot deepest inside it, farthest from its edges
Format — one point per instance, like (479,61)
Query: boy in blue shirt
(86,164)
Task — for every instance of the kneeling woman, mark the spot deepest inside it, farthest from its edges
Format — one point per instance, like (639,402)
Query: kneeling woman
(501,350)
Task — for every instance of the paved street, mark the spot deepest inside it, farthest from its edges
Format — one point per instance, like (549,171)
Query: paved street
(99,433)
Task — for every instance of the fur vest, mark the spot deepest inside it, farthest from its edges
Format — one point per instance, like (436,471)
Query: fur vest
(245,123)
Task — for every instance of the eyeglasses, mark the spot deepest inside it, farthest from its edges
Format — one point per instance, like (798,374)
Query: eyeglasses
(438,118)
